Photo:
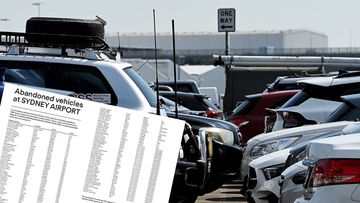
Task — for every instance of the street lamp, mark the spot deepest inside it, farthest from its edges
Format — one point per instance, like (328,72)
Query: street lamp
(38,5)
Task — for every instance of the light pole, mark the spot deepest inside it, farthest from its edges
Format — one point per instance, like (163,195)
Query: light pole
(38,5)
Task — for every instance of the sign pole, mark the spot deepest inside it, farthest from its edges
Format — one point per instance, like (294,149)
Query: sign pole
(227,47)
(226,23)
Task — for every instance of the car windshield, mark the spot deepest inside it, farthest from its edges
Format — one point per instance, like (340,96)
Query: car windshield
(143,86)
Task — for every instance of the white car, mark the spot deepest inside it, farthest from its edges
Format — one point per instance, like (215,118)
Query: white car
(270,142)
(267,176)
(334,170)
(293,177)
(311,111)
(320,90)
(291,181)
(264,175)
(266,143)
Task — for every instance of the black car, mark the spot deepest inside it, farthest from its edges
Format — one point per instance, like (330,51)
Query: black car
(195,102)
(189,86)
(223,157)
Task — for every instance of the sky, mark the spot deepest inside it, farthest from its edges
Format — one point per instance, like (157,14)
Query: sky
(339,20)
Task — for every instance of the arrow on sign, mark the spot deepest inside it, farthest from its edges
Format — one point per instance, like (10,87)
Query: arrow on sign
(224,26)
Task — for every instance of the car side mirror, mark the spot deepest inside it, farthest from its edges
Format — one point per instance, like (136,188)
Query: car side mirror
(308,163)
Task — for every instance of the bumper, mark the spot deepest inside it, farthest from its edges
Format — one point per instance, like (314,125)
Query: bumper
(262,190)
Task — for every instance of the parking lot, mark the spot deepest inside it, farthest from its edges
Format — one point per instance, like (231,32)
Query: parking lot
(227,193)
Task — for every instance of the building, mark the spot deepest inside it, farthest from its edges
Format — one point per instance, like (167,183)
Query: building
(216,41)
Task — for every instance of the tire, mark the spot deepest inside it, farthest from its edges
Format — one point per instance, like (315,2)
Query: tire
(62,26)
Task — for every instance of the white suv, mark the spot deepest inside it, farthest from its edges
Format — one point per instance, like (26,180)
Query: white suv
(55,54)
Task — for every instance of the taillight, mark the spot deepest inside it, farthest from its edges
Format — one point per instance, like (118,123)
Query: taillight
(335,171)
(214,114)
(292,119)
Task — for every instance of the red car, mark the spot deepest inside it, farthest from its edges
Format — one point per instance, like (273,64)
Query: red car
(251,112)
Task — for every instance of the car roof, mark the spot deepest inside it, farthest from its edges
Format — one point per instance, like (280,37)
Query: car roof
(306,129)
(62,60)
(330,81)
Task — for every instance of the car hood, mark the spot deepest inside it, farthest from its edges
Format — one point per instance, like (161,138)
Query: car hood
(275,158)
(335,147)
(302,130)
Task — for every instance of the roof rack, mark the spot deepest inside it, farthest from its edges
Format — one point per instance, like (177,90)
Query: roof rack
(53,41)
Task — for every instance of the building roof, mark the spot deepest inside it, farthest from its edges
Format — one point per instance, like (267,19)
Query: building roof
(197,69)
(289,31)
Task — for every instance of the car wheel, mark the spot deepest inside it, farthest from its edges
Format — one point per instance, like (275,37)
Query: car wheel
(62,26)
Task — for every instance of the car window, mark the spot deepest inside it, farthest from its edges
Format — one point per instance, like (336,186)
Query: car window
(193,103)
(85,81)
(209,103)
(143,86)
(246,106)
(353,115)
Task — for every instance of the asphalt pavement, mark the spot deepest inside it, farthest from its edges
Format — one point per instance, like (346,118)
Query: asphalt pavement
(227,193)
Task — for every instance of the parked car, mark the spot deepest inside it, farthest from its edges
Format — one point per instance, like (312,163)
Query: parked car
(333,173)
(226,149)
(270,142)
(254,109)
(264,174)
(291,82)
(291,182)
(195,102)
(87,66)
(189,86)
(321,91)
(309,112)
(265,171)
(170,106)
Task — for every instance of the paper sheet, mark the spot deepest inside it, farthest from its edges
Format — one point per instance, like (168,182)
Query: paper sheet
(56,148)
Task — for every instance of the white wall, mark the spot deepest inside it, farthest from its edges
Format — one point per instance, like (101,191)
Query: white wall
(211,41)
(305,39)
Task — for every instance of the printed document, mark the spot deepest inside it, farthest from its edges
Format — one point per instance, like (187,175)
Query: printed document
(56,148)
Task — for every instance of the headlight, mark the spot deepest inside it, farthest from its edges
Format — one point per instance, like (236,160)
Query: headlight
(272,146)
(219,135)
(273,171)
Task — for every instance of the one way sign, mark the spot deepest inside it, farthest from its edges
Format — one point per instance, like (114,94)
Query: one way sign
(226,20)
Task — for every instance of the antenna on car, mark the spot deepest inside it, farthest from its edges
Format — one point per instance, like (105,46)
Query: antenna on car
(174,61)
(156,69)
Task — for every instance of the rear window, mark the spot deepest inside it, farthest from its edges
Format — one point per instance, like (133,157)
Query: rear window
(325,93)
(246,106)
